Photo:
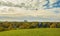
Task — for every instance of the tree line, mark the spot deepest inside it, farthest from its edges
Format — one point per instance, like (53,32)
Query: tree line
(27,25)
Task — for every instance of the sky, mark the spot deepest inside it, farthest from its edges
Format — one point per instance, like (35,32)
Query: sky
(31,10)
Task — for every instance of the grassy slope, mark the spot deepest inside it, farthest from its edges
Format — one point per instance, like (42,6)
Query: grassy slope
(32,32)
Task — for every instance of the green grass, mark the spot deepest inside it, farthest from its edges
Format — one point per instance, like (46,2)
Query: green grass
(32,32)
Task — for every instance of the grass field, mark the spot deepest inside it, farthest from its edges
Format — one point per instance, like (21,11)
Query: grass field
(32,32)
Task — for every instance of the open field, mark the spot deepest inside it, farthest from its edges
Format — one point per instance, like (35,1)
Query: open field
(32,32)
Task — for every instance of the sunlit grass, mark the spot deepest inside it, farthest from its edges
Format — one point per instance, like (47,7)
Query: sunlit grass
(32,32)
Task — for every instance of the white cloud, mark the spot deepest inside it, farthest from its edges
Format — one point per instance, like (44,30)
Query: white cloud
(16,12)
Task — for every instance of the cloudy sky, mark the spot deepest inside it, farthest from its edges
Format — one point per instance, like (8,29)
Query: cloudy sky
(31,10)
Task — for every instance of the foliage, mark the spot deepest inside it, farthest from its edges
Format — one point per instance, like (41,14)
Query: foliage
(27,25)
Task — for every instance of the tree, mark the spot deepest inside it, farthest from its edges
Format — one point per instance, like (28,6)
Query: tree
(53,25)
(40,24)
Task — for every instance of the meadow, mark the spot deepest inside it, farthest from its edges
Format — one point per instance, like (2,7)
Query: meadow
(32,32)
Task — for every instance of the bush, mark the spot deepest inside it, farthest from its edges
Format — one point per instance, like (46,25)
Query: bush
(1,29)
